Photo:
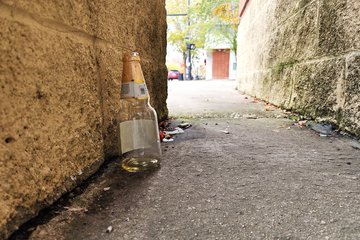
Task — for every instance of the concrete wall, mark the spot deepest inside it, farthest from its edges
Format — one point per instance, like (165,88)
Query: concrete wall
(303,55)
(60,76)
(209,63)
(232,70)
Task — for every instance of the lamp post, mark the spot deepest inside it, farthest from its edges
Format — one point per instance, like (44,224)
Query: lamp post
(190,46)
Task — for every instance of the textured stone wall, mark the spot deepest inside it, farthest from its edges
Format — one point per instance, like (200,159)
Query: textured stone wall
(303,55)
(60,77)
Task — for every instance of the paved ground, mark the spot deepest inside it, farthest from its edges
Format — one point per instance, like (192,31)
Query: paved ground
(266,179)
(209,99)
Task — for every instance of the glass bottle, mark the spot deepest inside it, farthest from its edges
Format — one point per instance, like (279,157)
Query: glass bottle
(139,132)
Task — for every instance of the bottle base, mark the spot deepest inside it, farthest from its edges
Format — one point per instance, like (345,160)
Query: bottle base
(132,164)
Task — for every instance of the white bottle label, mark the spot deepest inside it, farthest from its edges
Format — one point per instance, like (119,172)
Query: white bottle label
(137,134)
(134,90)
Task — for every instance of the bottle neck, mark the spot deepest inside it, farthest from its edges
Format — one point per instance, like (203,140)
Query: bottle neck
(138,103)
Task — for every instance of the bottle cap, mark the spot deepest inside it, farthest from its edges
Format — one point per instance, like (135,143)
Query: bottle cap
(133,56)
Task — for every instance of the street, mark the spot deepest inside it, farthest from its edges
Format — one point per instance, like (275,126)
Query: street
(242,171)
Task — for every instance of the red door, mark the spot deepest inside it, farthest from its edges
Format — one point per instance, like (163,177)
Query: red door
(220,66)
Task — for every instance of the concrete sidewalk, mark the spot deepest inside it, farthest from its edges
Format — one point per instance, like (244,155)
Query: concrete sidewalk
(217,98)
(266,179)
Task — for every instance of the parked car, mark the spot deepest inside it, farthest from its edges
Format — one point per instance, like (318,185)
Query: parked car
(173,74)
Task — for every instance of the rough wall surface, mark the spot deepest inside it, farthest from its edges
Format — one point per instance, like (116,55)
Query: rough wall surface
(303,55)
(60,77)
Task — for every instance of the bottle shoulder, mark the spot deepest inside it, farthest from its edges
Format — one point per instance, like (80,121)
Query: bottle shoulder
(131,110)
